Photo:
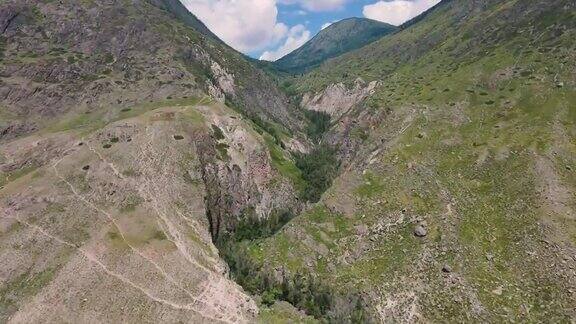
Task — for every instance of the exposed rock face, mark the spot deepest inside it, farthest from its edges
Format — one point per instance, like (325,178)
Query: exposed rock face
(336,100)
(224,80)
(239,177)
(15,129)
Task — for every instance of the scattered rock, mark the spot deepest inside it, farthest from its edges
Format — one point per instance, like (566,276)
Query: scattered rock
(560,85)
(446,269)
(107,146)
(498,291)
(420,231)
(86,168)
(178,137)
(569,168)
(361,230)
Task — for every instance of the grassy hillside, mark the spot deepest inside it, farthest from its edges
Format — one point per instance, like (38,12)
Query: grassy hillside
(457,203)
(336,39)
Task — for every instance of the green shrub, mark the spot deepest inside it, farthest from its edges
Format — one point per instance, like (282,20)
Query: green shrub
(222,149)
(251,228)
(319,124)
(218,133)
(318,168)
(300,289)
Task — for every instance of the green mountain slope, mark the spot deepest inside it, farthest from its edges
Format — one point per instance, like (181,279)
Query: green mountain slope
(455,202)
(336,39)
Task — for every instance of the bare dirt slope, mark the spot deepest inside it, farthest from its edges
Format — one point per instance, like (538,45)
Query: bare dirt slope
(112,225)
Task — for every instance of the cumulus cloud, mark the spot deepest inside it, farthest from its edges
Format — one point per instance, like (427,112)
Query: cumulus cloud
(397,12)
(317,5)
(297,36)
(246,25)
(252,26)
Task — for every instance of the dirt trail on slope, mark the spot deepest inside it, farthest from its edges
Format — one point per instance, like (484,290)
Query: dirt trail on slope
(175,274)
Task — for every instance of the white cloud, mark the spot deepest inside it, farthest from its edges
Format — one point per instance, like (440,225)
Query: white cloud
(326,25)
(246,25)
(252,26)
(397,12)
(317,5)
(297,36)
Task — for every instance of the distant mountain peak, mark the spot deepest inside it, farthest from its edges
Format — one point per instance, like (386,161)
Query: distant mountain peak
(338,38)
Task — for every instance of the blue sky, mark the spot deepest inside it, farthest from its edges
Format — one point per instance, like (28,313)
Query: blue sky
(270,29)
(293,14)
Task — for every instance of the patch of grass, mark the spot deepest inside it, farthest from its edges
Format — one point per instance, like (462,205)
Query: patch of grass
(371,187)
(130,173)
(116,240)
(130,203)
(160,236)
(16,174)
(222,149)
(56,208)
(22,288)
(389,260)
(283,313)
(284,165)
(91,121)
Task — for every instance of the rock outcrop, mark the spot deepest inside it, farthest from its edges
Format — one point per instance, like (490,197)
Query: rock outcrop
(337,99)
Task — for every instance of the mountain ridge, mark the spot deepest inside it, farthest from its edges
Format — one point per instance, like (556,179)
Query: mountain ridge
(338,38)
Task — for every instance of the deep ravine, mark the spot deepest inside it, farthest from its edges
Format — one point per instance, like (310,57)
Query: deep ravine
(232,236)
